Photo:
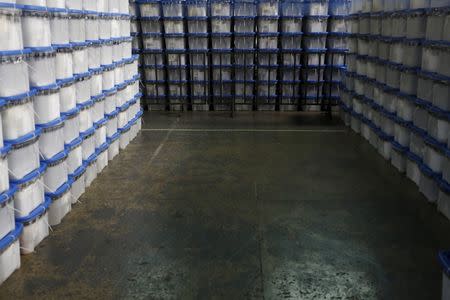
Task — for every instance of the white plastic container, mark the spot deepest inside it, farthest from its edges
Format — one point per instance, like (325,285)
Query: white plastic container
(86,121)
(24,155)
(36,27)
(114,23)
(91,170)
(75,157)
(88,144)
(104,27)
(113,149)
(434,156)
(111,124)
(438,126)
(71,124)
(77,27)
(61,203)
(443,205)
(67,95)
(51,141)
(42,68)
(14,74)
(57,172)
(430,58)
(17,118)
(83,88)
(59,26)
(119,74)
(11,33)
(74,4)
(413,168)
(102,157)
(428,184)
(316,8)
(35,228)
(110,100)
(100,132)
(402,133)
(7,211)
(46,105)
(64,63)
(92,26)
(441,94)
(398,157)
(416,24)
(124,138)
(56,3)
(94,55)
(150,9)
(90,5)
(10,253)
(98,110)
(108,79)
(78,183)
(96,83)
(80,59)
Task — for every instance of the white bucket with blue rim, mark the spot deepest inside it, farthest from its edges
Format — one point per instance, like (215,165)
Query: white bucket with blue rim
(100,132)
(98,112)
(10,252)
(35,25)
(428,184)
(80,58)
(75,155)
(30,192)
(124,139)
(42,67)
(64,62)
(102,157)
(7,211)
(86,121)
(61,203)
(46,104)
(78,183)
(10,22)
(443,203)
(57,172)
(91,169)
(51,141)
(113,149)
(111,124)
(71,124)
(35,227)
(67,95)
(24,155)
(4,178)
(88,144)
(59,25)
(14,73)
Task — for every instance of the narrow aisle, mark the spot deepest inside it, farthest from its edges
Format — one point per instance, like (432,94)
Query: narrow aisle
(242,214)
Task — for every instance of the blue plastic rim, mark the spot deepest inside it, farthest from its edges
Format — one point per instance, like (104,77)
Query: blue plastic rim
(11,237)
(78,172)
(30,176)
(60,190)
(444,260)
(25,138)
(36,213)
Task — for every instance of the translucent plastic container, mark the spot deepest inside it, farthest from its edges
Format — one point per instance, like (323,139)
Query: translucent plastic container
(221,8)
(83,87)
(80,59)
(314,41)
(104,28)
(150,8)
(416,25)
(102,157)
(88,145)
(124,139)
(64,63)
(108,80)
(441,94)
(111,123)
(78,183)
(14,75)
(92,27)
(412,53)
(51,141)
(57,172)
(10,253)
(41,68)
(35,228)
(77,27)
(100,132)
(74,4)
(408,81)
(435,24)
(36,27)
(86,121)
(428,184)
(94,55)
(56,3)
(11,35)
(316,8)
(430,58)
(71,124)
(434,156)
(4,179)
(59,26)
(438,125)
(24,155)
(74,152)
(114,22)
(113,149)
(315,24)
(91,170)
(46,105)
(61,203)
(398,157)
(17,117)
(173,41)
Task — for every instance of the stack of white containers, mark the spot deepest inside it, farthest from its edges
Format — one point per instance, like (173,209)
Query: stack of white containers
(70,100)
(397,88)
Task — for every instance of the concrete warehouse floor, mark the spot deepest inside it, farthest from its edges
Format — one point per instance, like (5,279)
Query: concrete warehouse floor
(300,212)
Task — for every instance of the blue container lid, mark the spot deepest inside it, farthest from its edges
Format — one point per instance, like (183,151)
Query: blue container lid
(87,133)
(30,176)
(112,138)
(37,212)
(112,114)
(100,123)
(5,196)
(91,158)
(85,104)
(427,171)
(53,123)
(11,237)
(399,148)
(103,147)
(71,112)
(57,157)
(73,144)
(79,171)
(24,138)
(59,191)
